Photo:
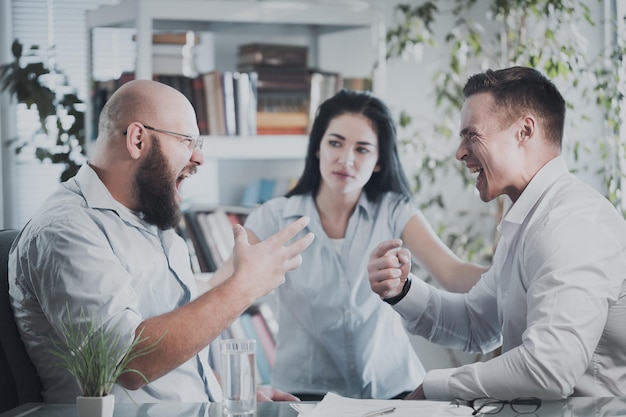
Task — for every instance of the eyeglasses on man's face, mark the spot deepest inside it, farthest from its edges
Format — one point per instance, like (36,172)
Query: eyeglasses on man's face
(192,142)
(522,405)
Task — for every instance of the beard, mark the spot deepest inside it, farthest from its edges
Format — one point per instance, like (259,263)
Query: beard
(155,184)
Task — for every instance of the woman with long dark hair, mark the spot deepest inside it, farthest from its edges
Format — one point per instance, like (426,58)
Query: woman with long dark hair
(335,334)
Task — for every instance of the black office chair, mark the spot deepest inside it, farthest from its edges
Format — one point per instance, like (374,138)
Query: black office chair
(19,382)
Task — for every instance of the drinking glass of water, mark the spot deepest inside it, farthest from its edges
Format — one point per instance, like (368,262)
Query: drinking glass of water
(238,376)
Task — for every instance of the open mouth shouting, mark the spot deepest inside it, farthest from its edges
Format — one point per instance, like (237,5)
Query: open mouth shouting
(480,178)
(188,172)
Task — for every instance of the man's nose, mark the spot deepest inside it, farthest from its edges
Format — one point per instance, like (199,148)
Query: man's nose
(461,151)
(197,156)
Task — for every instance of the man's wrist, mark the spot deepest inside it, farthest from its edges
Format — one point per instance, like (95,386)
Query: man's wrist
(436,384)
(405,289)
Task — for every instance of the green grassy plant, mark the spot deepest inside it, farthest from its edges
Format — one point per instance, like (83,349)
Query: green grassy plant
(92,354)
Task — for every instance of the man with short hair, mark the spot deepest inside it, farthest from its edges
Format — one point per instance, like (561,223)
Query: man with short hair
(555,296)
(103,244)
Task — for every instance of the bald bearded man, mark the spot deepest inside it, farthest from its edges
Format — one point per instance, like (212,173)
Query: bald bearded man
(103,243)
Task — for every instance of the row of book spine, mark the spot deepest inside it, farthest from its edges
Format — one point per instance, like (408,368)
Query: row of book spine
(260,190)
(237,103)
(209,236)
(225,101)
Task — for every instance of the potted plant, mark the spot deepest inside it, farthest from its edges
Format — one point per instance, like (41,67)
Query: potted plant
(96,357)
(61,112)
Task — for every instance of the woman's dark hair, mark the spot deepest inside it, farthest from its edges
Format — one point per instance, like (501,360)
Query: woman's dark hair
(390,177)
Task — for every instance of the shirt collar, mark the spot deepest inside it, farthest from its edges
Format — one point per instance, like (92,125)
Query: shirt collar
(97,196)
(542,180)
(94,191)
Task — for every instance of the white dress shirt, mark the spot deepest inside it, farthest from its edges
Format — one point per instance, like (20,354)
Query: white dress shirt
(555,297)
(335,334)
(83,251)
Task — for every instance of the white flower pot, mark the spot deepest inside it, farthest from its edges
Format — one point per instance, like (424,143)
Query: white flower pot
(95,406)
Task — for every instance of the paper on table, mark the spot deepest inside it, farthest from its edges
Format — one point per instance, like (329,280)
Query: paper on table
(333,405)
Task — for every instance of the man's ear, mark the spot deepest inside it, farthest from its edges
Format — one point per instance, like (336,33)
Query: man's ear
(527,129)
(135,140)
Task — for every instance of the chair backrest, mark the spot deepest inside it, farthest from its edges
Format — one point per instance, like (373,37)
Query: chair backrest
(19,382)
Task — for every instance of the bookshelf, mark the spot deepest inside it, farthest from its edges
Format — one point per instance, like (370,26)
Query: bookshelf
(231,161)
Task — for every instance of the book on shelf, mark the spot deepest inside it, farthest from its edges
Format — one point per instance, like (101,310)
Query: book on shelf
(266,191)
(251,193)
(218,249)
(209,235)
(213,234)
(357,83)
(272,55)
(215,360)
(295,122)
(180,83)
(199,104)
(285,113)
(245,91)
(263,322)
(202,250)
(183,231)
(251,324)
(323,85)
(171,59)
(236,329)
(225,226)
(214,93)
(235,218)
(124,78)
(221,232)
(173,38)
(280,78)
(269,319)
(262,363)
(283,86)
(264,338)
(260,190)
(258,99)
(281,131)
(230,118)
(172,52)
(230,99)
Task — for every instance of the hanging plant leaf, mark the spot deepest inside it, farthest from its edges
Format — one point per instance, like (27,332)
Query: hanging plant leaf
(28,84)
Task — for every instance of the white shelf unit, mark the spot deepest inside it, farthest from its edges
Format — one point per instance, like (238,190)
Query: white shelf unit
(231,162)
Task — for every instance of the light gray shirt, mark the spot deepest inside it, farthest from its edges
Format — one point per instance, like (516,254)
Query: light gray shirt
(555,296)
(82,251)
(335,334)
